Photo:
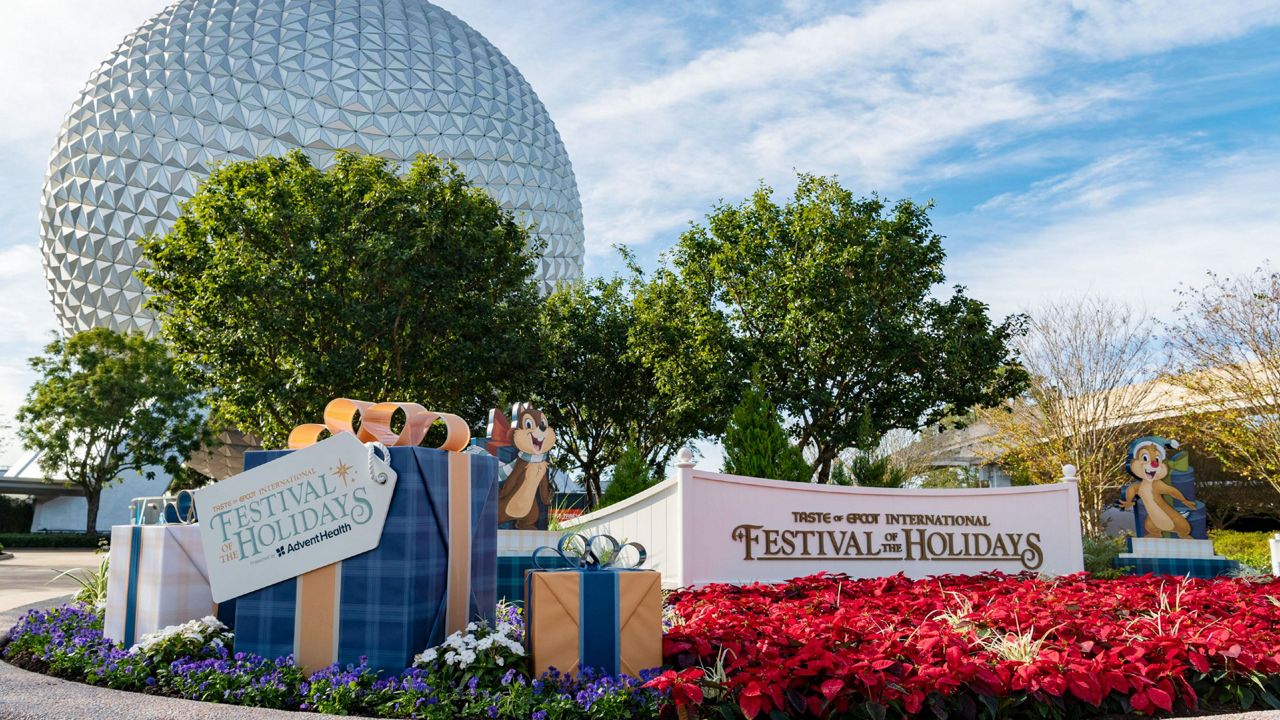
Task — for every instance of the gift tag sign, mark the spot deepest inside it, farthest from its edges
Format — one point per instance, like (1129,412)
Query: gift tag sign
(311,508)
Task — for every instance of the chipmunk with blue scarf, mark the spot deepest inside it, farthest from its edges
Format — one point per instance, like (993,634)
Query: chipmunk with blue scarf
(1148,463)
(527,490)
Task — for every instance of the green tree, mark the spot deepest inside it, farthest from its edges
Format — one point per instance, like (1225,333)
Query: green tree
(595,390)
(832,301)
(107,403)
(756,445)
(282,286)
(632,475)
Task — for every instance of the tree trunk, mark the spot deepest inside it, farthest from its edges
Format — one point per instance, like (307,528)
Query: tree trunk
(94,497)
(591,484)
(822,465)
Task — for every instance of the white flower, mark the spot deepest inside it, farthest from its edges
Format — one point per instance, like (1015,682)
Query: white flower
(206,630)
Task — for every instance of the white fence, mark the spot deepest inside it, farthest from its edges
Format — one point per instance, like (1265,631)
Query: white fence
(703,527)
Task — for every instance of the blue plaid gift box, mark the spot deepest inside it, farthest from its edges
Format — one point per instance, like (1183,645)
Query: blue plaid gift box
(1182,567)
(394,601)
(515,558)
(1171,556)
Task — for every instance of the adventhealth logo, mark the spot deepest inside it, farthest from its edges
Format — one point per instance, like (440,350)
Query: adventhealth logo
(317,538)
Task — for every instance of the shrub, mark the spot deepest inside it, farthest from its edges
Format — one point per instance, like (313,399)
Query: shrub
(50,540)
(93,583)
(15,514)
(987,645)
(756,445)
(1100,554)
(630,476)
(1247,548)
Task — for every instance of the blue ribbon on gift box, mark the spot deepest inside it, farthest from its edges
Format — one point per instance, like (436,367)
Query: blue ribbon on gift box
(599,559)
(580,553)
(176,509)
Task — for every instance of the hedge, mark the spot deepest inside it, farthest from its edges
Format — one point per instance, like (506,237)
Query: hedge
(1248,548)
(50,540)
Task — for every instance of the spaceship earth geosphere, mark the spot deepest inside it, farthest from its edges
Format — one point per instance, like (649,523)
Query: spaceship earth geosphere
(205,81)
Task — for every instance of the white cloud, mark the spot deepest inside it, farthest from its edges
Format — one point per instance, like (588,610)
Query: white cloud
(871,96)
(26,320)
(1109,230)
(661,122)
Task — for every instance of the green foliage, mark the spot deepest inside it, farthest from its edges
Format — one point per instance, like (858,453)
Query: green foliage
(282,286)
(106,403)
(1247,548)
(50,540)
(93,583)
(1100,554)
(832,301)
(596,391)
(870,470)
(15,514)
(951,477)
(632,475)
(756,445)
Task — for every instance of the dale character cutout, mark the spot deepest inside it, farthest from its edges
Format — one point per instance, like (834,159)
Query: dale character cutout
(527,490)
(1147,463)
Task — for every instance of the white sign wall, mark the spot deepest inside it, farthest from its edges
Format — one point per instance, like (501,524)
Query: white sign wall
(704,527)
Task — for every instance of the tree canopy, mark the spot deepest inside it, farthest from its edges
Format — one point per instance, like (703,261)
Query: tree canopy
(1226,354)
(596,391)
(282,286)
(107,403)
(831,300)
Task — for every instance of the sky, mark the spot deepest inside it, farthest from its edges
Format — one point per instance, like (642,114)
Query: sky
(1111,148)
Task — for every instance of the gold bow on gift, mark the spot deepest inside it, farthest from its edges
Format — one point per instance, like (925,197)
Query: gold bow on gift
(340,416)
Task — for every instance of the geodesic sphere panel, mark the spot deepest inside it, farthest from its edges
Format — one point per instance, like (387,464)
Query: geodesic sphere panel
(219,80)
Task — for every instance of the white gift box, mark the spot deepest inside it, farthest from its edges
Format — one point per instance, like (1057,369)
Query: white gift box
(167,585)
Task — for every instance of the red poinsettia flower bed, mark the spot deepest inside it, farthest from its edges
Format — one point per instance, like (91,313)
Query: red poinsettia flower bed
(975,646)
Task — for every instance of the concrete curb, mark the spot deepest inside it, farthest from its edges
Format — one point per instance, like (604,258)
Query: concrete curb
(6,556)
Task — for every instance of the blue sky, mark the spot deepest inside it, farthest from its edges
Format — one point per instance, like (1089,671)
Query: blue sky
(1114,148)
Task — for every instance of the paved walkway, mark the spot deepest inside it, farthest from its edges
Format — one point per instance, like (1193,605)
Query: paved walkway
(29,576)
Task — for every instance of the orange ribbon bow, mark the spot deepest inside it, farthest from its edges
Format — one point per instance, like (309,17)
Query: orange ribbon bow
(340,415)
